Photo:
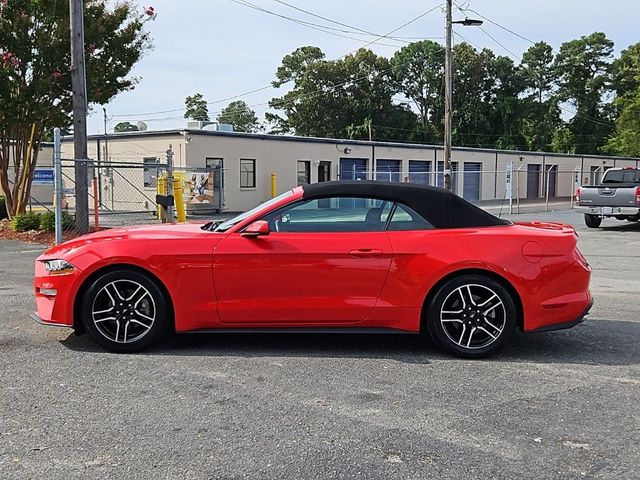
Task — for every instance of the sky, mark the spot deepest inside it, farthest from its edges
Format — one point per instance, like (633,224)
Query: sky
(223,49)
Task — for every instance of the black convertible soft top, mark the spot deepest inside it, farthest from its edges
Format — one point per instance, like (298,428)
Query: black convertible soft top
(440,207)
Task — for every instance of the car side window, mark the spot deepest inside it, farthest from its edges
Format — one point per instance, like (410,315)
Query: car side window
(334,214)
(406,218)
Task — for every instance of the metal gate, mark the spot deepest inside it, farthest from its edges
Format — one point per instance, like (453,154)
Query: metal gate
(471,181)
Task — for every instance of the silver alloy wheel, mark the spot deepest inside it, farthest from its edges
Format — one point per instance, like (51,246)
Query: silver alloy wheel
(123,311)
(473,316)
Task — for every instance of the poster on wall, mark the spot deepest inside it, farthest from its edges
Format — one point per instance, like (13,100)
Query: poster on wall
(199,190)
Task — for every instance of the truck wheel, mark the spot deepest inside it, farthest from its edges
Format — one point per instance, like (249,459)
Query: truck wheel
(592,221)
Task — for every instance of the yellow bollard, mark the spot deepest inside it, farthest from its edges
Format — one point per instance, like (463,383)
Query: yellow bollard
(178,197)
(274,185)
(162,190)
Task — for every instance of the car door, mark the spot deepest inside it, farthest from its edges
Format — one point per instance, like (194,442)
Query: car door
(317,266)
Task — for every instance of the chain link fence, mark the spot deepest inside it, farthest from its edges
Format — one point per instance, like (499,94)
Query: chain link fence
(126,193)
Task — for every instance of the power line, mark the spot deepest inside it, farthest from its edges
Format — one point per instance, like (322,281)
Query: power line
(519,59)
(270,86)
(326,19)
(314,26)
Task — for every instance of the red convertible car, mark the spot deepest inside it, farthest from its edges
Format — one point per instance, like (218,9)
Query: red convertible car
(333,256)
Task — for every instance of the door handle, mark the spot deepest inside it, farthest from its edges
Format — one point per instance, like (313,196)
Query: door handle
(366,252)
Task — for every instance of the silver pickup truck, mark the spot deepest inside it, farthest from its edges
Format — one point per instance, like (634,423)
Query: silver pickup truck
(617,196)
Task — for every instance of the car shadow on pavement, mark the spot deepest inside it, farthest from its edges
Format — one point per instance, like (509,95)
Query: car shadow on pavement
(414,349)
(627,227)
(596,342)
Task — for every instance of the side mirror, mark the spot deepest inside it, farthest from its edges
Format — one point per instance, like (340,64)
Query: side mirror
(257,229)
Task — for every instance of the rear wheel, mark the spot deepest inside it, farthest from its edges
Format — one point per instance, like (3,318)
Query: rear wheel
(592,221)
(471,316)
(125,311)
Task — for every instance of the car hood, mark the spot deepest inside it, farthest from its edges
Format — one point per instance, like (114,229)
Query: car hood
(142,232)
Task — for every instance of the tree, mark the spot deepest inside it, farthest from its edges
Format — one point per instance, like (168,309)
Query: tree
(626,83)
(239,115)
(472,89)
(583,67)
(538,73)
(540,112)
(125,127)
(196,108)
(418,70)
(626,140)
(35,78)
(336,98)
(506,105)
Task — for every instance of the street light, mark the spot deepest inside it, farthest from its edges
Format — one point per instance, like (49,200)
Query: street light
(468,22)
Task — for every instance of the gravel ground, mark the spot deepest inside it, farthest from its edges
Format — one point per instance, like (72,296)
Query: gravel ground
(552,405)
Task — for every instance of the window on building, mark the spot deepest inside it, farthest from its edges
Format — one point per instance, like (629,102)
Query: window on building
(304,172)
(215,167)
(247,173)
(150,171)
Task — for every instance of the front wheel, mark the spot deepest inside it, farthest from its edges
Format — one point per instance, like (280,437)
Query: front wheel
(592,221)
(471,316)
(125,311)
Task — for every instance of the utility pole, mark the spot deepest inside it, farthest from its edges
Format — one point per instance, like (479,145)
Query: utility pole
(448,80)
(79,86)
(447,99)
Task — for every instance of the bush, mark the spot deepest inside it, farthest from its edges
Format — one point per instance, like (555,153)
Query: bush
(24,222)
(68,221)
(3,208)
(48,221)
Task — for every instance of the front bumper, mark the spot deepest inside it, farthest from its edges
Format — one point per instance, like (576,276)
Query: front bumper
(36,318)
(607,211)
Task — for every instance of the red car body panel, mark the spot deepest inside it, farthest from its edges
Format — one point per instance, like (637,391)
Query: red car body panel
(370,279)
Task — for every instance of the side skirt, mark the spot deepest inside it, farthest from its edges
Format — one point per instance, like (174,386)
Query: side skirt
(330,330)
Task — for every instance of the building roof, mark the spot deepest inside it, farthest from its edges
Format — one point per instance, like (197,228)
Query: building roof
(332,141)
(442,208)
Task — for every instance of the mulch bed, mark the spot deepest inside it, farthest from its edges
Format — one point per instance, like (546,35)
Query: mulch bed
(32,236)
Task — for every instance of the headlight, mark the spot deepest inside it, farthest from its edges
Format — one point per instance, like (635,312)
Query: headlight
(58,267)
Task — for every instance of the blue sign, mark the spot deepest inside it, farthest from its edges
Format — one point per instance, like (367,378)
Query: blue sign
(43,176)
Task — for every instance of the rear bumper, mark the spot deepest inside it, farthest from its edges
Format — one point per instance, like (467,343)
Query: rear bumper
(607,211)
(564,325)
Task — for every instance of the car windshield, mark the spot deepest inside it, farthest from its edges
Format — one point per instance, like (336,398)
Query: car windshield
(226,225)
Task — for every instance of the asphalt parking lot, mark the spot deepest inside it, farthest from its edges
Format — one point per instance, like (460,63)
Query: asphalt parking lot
(551,405)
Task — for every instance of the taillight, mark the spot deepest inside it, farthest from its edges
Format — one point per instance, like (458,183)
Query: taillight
(578,196)
(580,257)
(638,196)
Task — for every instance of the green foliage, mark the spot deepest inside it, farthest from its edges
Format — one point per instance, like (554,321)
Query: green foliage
(418,72)
(546,102)
(35,73)
(125,127)
(23,222)
(48,221)
(626,140)
(583,70)
(356,90)
(239,115)
(196,108)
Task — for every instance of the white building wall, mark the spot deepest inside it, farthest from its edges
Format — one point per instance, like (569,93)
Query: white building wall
(280,155)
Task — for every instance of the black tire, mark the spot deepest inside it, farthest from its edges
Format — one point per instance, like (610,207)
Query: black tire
(447,304)
(592,221)
(138,322)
